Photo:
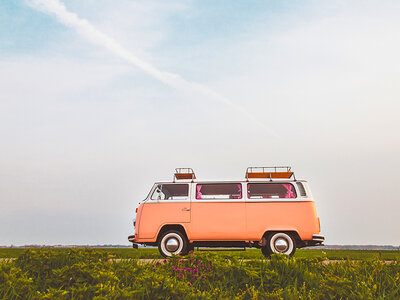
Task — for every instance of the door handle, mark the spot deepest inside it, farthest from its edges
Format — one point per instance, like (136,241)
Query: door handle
(186,209)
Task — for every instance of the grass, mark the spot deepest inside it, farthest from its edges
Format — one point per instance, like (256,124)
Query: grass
(248,254)
(93,274)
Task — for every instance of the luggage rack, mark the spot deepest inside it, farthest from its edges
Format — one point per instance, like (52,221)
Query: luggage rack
(269,173)
(184,174)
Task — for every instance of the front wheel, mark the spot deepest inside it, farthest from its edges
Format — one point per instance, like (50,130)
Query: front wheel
(281,243)
(172,242)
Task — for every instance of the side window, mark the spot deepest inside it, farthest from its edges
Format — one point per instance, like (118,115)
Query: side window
(219,191)
(301,189)
(171,192)
(270,190)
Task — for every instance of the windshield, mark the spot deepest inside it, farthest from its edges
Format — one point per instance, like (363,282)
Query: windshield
(148,194)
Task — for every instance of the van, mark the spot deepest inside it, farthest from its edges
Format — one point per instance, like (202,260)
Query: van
(269,209)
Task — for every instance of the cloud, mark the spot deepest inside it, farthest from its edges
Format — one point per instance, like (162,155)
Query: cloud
(88,31)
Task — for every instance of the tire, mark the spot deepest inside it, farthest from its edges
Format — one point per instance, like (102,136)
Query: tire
(280,243)
(173,242)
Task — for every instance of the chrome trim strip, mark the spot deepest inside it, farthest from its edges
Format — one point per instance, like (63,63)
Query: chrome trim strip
(318,238)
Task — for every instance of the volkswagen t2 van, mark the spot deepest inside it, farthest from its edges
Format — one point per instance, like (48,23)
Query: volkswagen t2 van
(269,209)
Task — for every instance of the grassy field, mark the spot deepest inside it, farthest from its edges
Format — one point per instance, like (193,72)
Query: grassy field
(248,254)
(93,274)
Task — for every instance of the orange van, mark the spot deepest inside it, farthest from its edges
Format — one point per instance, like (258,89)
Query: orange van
(270,209)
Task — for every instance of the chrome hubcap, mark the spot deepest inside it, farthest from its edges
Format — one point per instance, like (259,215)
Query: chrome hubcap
(172,244)
(281,245)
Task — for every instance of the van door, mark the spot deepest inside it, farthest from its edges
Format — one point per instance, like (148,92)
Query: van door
(218,212)
(168,204)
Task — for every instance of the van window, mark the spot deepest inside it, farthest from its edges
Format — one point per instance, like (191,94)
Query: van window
(170,192)
(219,191)
(270,190)
(301,189)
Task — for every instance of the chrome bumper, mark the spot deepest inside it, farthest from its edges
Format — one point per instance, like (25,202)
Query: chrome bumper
(318,238)
(131,238)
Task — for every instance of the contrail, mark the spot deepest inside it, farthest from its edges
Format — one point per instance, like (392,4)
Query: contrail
(88,31)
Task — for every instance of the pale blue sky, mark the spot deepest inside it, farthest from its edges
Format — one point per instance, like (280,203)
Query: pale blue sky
(84,133)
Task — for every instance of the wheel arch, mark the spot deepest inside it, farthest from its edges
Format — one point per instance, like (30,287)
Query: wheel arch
(167,227)
(292,232)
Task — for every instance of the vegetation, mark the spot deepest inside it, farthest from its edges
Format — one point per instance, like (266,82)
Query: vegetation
(88,273)
(248,254)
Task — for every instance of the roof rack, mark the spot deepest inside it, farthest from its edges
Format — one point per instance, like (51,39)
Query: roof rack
(269,173)
(184,174)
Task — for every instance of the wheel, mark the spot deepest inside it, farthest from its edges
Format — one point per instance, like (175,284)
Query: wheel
(279,242)
(172,242)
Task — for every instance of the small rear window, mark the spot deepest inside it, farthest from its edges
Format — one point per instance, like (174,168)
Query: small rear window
(270,190)
(301,189)
(219,191)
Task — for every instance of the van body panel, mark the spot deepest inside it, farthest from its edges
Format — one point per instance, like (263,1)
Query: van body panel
(281,216)
(156,214)
(217,221)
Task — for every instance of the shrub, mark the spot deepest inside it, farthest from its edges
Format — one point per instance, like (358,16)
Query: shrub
(90,274)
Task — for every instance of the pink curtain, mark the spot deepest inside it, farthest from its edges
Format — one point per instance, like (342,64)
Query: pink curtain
(239,191)
(198,196)
(289,193)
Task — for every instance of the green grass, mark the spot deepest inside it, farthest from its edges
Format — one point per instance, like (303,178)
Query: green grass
(248,254)
(92,274)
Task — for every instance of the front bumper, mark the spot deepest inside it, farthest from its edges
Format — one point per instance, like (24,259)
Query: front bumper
(131,238)
(318,238)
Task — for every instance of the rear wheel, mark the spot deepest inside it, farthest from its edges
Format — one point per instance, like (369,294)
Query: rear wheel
(172,242)
(279,242)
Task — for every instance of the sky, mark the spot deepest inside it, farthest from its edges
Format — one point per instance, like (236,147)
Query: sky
(93,112)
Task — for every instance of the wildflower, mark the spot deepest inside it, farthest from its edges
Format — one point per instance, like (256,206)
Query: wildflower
(191,252)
